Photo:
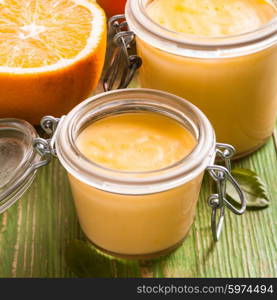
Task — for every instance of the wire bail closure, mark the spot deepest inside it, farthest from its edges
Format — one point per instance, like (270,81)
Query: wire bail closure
(124,41)
(221,175)
(46,147)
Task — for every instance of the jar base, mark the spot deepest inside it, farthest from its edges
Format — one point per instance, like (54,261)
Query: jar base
(252,150)
(138,256)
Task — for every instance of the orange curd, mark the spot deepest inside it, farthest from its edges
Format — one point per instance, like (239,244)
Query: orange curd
(135,224)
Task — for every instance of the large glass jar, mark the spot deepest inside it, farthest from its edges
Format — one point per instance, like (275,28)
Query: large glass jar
(231,79)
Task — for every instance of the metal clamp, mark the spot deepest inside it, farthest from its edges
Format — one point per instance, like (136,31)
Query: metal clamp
(221,175)
(46,147)
(50,125)
(124,42)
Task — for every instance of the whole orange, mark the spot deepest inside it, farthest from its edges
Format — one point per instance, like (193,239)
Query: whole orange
(51,55)
(113,7)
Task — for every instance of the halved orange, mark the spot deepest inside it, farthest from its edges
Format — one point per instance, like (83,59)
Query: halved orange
(51,55)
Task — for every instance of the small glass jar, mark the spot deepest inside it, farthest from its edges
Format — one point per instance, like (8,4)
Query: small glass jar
(126,214)
(231,79)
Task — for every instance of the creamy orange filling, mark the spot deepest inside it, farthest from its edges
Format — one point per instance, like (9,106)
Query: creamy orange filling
(135,224)
(212,18)
(136,142)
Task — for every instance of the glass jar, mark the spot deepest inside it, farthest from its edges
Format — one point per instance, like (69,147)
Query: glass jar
(231,79)
(127,214)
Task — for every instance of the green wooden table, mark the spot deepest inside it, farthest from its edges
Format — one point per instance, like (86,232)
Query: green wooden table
(36,232)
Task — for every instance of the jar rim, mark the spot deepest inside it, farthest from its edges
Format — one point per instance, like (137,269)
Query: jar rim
(116,181)
(185,44)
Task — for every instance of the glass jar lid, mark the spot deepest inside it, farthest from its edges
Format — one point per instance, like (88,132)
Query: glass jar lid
(22,152)
(17,155)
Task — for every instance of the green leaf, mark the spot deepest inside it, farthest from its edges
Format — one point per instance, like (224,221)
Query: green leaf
(87,262)
(254,188)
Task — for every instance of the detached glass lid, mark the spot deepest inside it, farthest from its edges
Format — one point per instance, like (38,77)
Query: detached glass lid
(18,160)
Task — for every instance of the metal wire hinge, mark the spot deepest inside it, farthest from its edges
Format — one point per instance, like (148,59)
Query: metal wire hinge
(46,147)
(221,175)
(123,63)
